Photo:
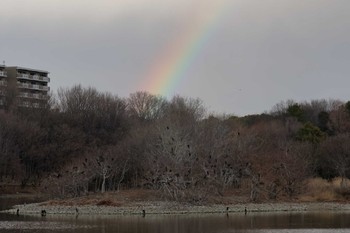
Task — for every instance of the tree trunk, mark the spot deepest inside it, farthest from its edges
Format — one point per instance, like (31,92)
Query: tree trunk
(103,186)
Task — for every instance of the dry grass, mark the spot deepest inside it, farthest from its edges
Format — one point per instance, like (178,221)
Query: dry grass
(318,189)
(107,202)
(83,201)
(108,199)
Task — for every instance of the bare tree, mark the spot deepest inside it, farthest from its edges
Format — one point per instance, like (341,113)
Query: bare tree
(335,155)
(173,166)
(100,115)
(340,120)
(146,106)
(71,180)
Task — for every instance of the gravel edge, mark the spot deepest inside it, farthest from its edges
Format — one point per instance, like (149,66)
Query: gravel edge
(173,208)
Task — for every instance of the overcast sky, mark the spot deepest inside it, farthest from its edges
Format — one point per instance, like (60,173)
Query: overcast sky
(258,53)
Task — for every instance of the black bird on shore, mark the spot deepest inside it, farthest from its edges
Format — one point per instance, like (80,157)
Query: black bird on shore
(43,213)
(17,212)
(143,213)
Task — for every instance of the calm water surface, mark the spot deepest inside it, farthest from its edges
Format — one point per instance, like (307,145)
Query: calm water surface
(333,222)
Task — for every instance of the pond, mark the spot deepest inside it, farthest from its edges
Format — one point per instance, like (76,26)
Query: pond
(310,222)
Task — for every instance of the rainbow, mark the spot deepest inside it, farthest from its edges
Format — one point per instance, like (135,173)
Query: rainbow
(170,67)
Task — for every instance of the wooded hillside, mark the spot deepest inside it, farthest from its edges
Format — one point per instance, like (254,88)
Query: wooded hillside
(87,141)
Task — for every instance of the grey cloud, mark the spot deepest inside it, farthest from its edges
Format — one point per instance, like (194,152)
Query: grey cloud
(260,54)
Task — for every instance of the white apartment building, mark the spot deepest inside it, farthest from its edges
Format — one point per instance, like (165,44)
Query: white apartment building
(29,85)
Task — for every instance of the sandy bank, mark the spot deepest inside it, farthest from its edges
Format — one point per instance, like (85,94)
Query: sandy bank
(174,208)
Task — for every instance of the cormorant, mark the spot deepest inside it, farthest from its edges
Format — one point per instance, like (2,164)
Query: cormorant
(43,213)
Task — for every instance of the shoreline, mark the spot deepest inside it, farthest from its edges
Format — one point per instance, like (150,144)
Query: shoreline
(174,208)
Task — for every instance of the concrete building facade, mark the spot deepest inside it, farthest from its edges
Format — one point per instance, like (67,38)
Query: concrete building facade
(3,84)
(28,86)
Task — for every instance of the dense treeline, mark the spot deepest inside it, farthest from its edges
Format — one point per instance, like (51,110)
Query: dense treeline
(84,141)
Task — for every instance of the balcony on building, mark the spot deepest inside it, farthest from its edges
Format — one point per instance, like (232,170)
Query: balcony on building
(27,104)
(24,104)
(35,77)
(3,73)
(32,96)
(3,83)
(33,86)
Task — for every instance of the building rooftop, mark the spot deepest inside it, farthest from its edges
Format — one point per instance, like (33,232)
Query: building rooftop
(28,69)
